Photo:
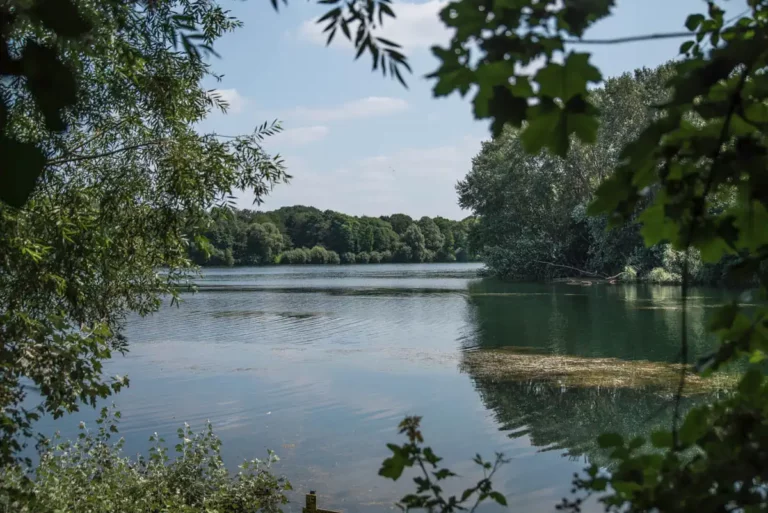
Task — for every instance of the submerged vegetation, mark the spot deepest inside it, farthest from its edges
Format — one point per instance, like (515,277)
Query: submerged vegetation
(306,235)
(510,365)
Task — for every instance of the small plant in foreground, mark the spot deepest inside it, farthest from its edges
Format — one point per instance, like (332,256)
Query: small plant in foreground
(429,494)
(92,475)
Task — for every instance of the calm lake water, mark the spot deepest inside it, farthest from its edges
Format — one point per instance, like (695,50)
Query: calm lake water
(321,364)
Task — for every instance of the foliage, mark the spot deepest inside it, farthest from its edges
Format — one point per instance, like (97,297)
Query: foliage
(264,242)
(347,258)
(429,494)
(318,255)
(334,258)
(124,190)
(291,229)
(531,208)
(92,474)
(413,239)
(44,44)
(692,174)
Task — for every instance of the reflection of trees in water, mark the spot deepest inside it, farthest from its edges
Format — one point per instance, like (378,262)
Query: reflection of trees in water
(570,419)
(628,323)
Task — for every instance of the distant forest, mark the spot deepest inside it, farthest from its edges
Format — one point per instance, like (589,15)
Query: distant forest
(306,235)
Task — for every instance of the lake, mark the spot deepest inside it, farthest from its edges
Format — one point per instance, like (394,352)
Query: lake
(320,364)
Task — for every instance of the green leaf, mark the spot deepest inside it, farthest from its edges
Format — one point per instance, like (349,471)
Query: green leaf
(544,129)
(695,425)
(661,439)
(22,164)
(393,466)
(607,440)
(567,80)
(685,47)
(693,21)
(499,498)
(751,382)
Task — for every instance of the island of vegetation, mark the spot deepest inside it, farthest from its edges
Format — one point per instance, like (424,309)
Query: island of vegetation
(306,235)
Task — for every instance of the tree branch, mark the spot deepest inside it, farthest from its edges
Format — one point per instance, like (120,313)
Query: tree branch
(628,39)
(569,267)
(78,158)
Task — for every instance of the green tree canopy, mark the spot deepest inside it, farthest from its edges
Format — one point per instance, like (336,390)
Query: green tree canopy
(121,190)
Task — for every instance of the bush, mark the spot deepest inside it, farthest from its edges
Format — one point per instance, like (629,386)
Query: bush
(295,256)
(347,258)
(363,257)
(318,255)
(91,474)
(629,275)
(386,257)
(662,276)
(333,258)
(375,257)
(462,255)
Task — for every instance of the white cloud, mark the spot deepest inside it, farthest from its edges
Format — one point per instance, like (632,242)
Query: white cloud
(416,26)
(232,97)
(416,181)
(294,137)
(373,106)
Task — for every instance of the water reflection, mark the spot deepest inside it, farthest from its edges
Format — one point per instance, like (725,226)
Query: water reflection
(561,364)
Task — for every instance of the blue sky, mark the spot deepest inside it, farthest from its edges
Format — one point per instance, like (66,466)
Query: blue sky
(362,144)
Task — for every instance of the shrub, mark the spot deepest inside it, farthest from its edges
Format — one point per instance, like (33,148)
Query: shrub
(462,255)
(92,474)
(375,257)
(386,257)
(333,258)
(629,275)
(318,255)
(295,256)
(662,276)
(347,258)
(363,257)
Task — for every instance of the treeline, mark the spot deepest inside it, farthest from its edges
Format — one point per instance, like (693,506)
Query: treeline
(307,235)
(531,209)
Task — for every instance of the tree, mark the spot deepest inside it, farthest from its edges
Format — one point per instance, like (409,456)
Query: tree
(414,240)
(264,243)
(46,42)
(318,255)
(121,190)
(341,235)
(399,222)
(531,208)
(433,239)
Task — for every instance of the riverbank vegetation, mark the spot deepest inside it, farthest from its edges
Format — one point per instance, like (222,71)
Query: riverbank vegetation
(306,235)
(531,208)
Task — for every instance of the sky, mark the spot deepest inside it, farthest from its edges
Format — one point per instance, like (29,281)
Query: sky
(361,144)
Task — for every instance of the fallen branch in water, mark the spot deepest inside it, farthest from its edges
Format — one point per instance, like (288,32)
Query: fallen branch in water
(582,271)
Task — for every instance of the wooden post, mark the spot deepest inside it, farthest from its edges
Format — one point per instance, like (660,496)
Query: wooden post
(311,505)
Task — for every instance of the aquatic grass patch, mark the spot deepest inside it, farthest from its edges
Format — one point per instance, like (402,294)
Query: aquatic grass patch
(576,371)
